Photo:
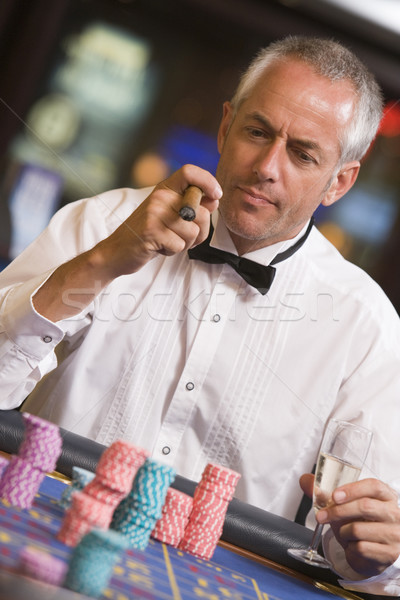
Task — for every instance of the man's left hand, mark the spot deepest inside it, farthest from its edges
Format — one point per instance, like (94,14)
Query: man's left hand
(365,519)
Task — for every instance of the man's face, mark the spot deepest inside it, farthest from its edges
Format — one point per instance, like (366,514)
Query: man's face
(279,154)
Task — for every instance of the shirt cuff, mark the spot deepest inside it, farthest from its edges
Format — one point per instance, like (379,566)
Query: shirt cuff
(386,583)
(34,335)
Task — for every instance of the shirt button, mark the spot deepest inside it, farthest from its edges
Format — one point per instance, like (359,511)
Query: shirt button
(166,450)
(190,386)
(47,339)
(216,318)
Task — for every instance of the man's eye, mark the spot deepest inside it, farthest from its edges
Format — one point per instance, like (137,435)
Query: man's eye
(256,133)
(304,157)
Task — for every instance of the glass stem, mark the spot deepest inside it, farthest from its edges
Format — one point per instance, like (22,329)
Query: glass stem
(316,538)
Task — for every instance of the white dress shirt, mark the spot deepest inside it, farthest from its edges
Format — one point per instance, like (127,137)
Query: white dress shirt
(189,361)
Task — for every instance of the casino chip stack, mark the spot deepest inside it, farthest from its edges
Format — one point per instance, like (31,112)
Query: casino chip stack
(95,505)
(115,473)
(92,561)
(210,503)
(138,513)
(37,455)
(84,514)
(174,518)
(42,566)
(80,479)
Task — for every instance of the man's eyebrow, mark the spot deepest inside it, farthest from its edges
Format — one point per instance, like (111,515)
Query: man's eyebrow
(305,143)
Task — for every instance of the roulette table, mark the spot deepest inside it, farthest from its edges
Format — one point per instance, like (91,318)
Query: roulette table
(250,562)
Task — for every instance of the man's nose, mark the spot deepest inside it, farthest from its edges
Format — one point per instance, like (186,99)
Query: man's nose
(269,161)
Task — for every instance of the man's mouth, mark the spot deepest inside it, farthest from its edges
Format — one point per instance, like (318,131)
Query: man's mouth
(255,196)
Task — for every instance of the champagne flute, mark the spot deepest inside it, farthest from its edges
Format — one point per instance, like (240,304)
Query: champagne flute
(342,454)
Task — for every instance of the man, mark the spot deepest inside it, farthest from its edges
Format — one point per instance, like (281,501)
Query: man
(191,361)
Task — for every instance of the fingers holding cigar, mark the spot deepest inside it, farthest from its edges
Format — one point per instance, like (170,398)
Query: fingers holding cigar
(191,202)
(194,188)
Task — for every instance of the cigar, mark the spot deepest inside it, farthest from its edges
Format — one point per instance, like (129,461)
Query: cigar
(191,199)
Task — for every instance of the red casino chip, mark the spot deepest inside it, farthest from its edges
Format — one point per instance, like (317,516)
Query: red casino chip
(102,493)
(116,475)
(85,514)
(171,526)
(210,504)
(223,491)
(217,473)
(72,529)
(122,452)
(90,509)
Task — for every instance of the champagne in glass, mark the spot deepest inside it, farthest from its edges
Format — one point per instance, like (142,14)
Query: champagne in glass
(341,457)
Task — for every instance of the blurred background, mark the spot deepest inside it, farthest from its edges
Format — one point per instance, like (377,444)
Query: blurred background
(97,94)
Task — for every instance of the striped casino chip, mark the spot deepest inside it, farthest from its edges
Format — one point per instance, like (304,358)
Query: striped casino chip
(124,453)
(42,566)
(117,468)
(199,548)
(72,529)
(149,489)
(42,443)
(103,493)
(210,504)
(177,502)
(20,482)
(225,492)
(201,540)
(151,485)
(89,508)
(139,511)
(175,513)
(93,560)
(219,474)
(136,527)
(80,479)
(207,502)
(138,535)
(204,524)
(34,423)
(95,505)
(84,514)
(115,473)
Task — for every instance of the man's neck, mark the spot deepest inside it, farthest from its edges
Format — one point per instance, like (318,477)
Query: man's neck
(245,245)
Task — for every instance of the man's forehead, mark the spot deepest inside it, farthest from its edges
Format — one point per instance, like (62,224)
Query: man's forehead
(300,90)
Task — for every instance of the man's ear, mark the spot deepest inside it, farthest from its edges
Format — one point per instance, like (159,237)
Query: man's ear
(342,182)
(227,117)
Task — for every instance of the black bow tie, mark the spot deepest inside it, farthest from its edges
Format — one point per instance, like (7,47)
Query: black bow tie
(256,275)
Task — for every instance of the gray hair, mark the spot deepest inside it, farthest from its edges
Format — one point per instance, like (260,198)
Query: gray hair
(332,60)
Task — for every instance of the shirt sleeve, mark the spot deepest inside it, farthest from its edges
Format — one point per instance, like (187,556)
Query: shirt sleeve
(386,583)
(27,343)
(27,339)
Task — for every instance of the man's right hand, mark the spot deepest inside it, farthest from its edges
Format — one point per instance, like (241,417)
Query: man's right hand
(155,227)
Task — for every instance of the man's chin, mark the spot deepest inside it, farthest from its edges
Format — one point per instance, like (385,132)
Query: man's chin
(246,230)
